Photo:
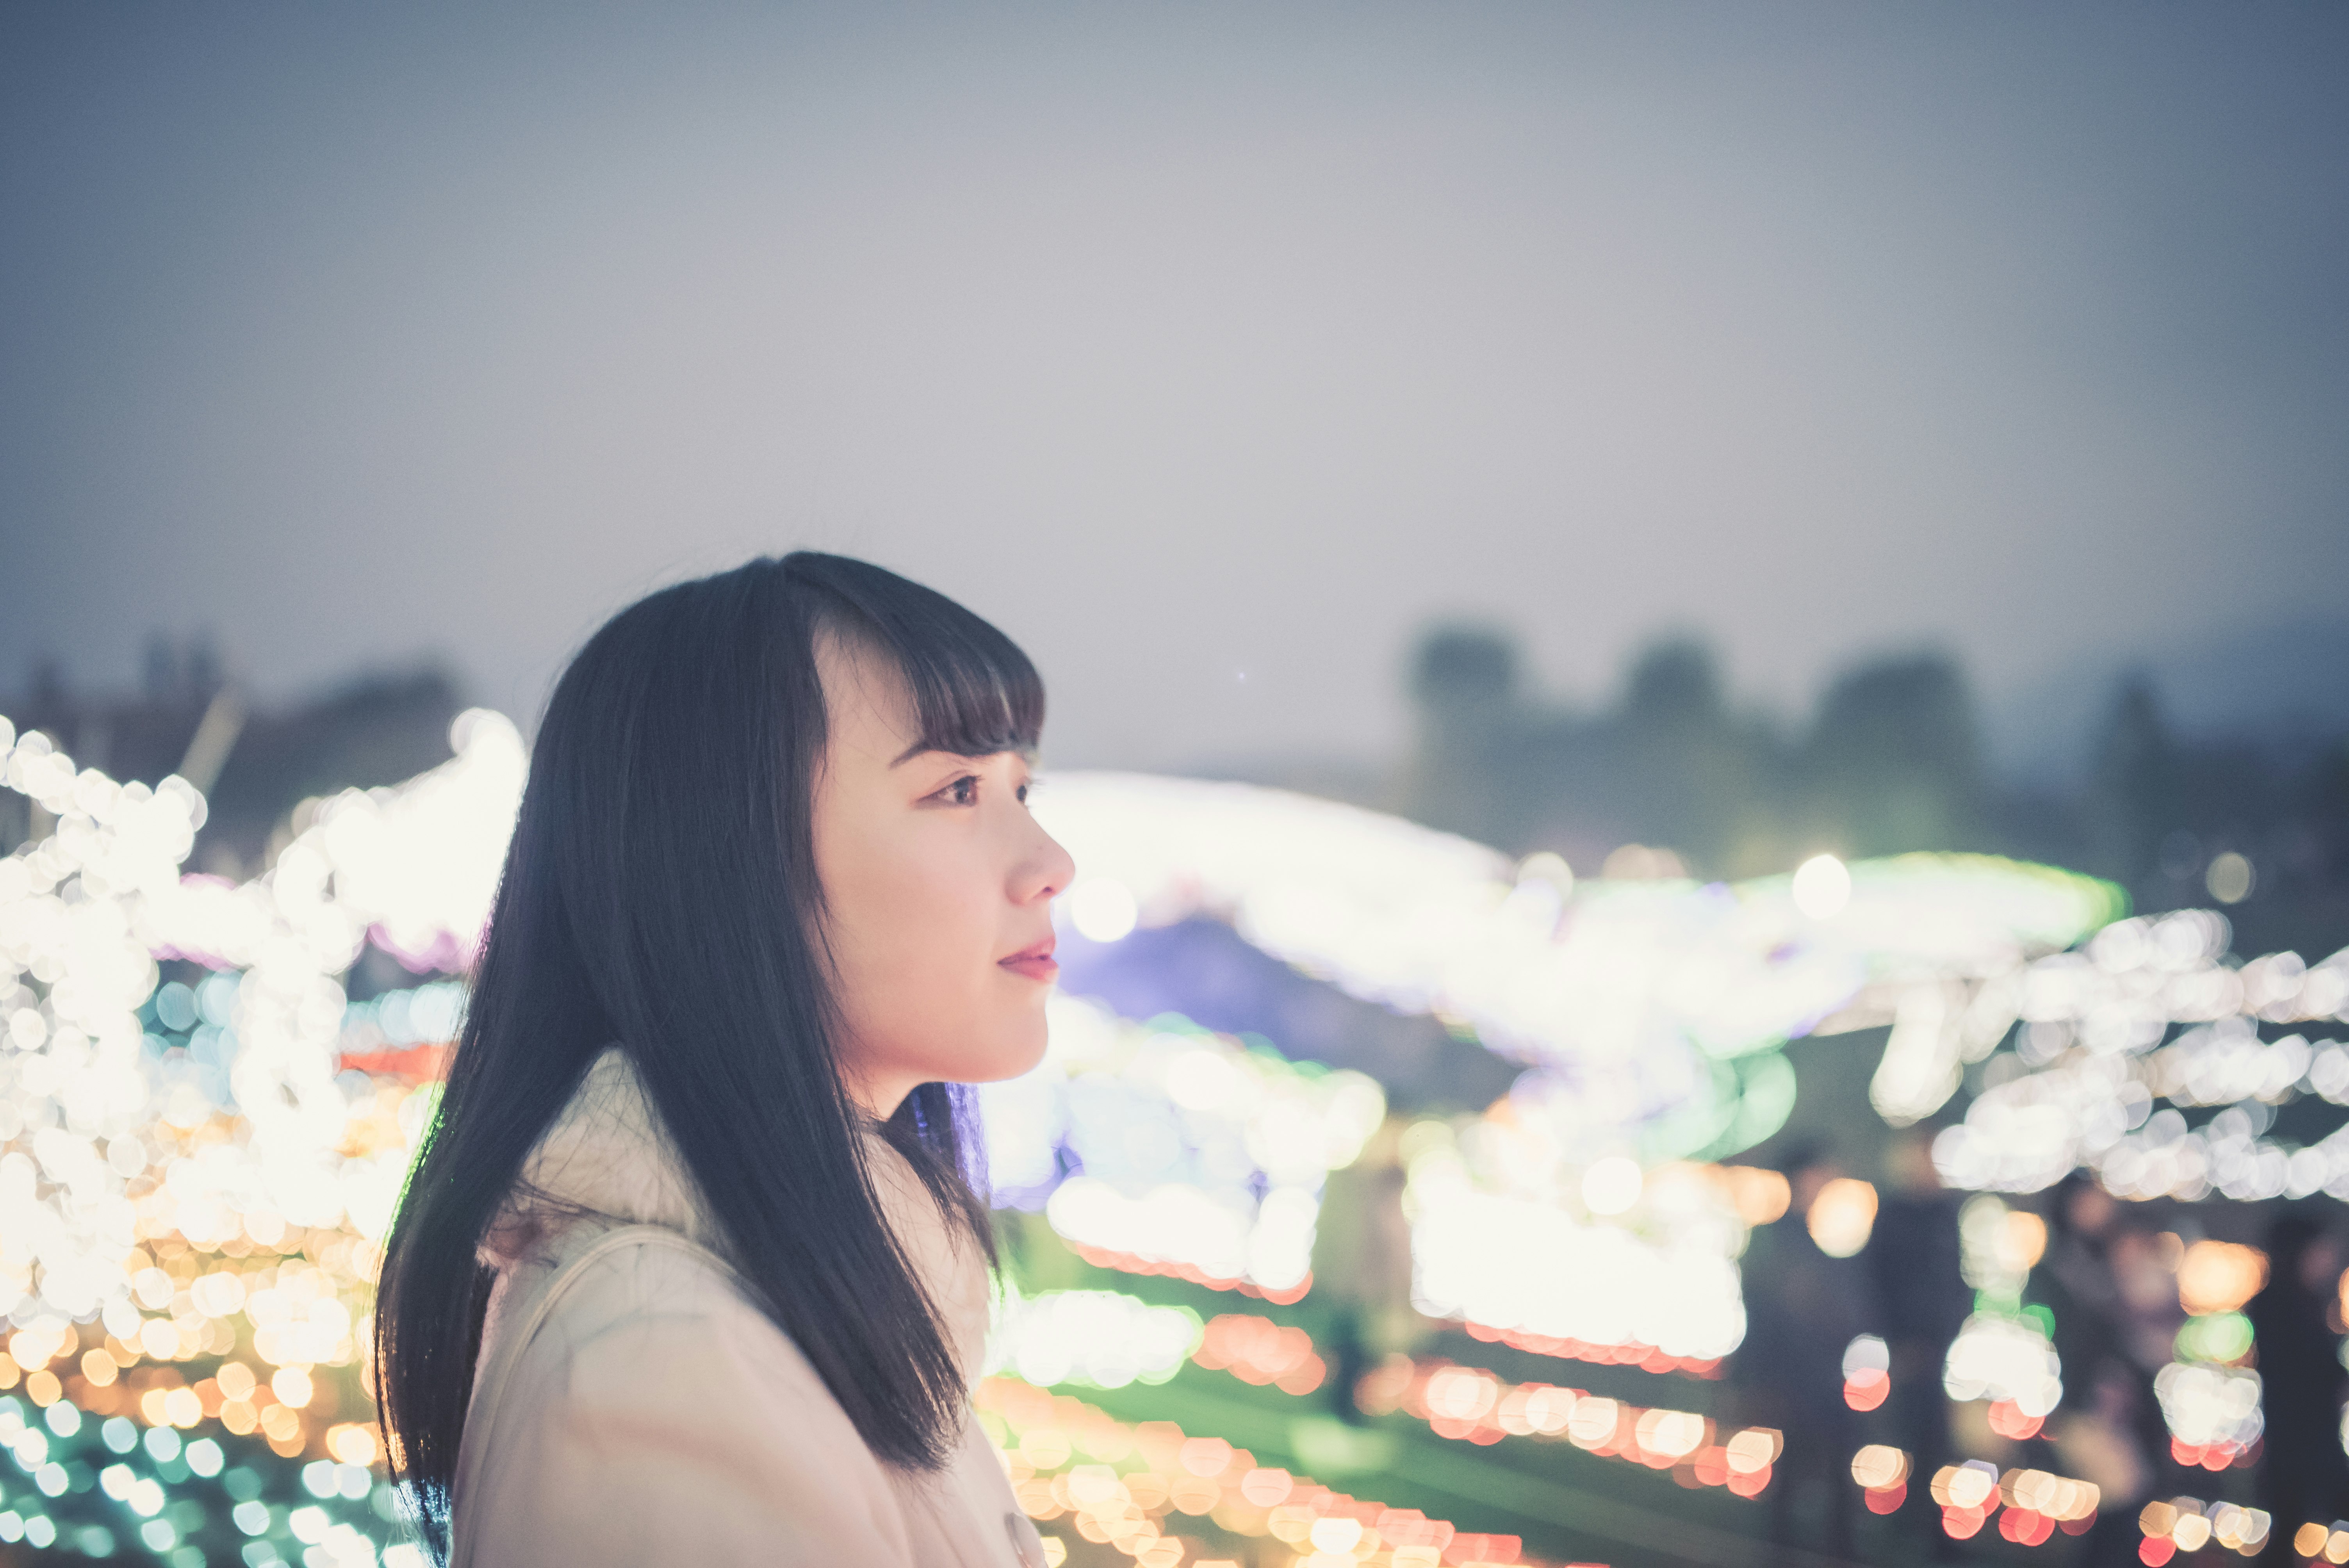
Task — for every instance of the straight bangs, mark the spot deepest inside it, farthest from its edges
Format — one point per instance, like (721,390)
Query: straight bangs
(974,691)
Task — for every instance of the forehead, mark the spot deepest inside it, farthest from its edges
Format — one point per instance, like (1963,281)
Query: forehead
(868,707)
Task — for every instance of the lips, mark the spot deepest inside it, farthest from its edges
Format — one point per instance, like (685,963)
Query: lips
(1033,962)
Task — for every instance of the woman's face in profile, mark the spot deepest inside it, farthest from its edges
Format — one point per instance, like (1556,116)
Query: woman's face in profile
(938,888)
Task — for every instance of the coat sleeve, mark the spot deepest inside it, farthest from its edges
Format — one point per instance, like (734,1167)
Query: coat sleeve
(660,1421)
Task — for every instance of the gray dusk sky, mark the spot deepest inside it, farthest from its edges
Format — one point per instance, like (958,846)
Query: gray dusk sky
(1209,349)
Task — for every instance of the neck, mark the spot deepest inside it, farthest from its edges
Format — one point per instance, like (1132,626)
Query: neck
(878,1096)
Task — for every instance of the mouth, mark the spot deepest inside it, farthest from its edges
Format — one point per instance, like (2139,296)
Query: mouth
(1033,962)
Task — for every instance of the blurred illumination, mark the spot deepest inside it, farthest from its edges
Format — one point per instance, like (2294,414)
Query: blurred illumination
(2211,1408)
(1529,1270)
(2189,1524)
(2230,878)
(196,1173)
(1608,1263)
(2005,1360)
(1761,1196)
(2095,1058)
(2026,1238)
(1636,998)
(1937,1025)
(1549,869)
(1164,1146)
(2220,1276)
(1842,1216)
(432,1014)
(1094,1338)
(1260,1351)
(1143,1486)
(1867,1372)
(2214,1412)
(1638,862)
(1466,1403)
(1611,1185)
(1102,909)
(193,1177)
(1821,886)
(2050,1496)
(2215,1336)
(1999,1247)
(1878,1466)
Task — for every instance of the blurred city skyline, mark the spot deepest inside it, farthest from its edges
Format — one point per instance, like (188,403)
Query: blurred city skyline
(1214,354)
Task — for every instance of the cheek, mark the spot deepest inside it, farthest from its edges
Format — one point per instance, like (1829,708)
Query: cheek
(906,917)
(916,937)
(953,1015)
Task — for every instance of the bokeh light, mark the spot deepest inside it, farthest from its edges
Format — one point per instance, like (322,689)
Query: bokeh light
(1821,887)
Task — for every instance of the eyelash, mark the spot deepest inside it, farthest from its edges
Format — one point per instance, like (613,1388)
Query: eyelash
(964,791)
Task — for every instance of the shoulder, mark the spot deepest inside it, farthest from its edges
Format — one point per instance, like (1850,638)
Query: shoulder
(652,1405)
(647,1317)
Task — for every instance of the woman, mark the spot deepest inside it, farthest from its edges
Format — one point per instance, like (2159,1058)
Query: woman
(690,1269)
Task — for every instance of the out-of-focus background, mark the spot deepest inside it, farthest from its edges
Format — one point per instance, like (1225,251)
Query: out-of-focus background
(1699,676)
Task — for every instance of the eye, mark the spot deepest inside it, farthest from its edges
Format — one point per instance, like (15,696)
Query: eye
(963,791)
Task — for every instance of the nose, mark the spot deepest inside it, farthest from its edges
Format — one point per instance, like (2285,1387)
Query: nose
(1045,869)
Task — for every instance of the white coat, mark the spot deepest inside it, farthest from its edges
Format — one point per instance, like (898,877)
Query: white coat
(632,1408)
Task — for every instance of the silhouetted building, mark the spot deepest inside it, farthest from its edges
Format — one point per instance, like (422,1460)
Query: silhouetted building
(254,767)
(1893,761)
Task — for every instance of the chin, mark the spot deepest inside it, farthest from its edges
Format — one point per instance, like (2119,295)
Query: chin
(1006,1057)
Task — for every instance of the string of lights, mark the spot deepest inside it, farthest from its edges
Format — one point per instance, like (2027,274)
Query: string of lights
(1164,1497)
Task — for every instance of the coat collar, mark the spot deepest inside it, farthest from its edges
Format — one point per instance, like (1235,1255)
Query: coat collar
(607,1159)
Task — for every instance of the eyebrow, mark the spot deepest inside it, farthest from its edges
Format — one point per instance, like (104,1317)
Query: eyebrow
(923,749)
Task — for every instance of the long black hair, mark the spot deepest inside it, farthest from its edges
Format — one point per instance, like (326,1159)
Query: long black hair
(659,891)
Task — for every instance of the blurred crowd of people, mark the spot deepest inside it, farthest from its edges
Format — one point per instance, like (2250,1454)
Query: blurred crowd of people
(2106,1288)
